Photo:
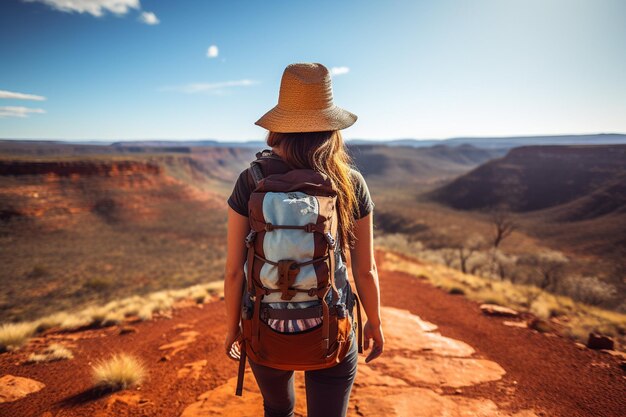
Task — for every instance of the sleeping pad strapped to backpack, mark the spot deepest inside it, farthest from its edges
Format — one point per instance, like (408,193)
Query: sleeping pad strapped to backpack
(294,316)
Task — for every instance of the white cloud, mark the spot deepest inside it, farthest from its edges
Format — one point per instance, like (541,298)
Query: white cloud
(10,111)
(209,87)
(93,7)
(149,18)
(212,52)
(339,70)
(20,96)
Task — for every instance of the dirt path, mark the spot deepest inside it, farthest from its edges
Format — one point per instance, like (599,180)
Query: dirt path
(443,357)
(546,372)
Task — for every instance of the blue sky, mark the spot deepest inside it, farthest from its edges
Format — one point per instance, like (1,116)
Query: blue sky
(125,69)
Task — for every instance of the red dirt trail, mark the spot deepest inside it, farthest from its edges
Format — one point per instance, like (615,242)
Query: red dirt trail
(545,375)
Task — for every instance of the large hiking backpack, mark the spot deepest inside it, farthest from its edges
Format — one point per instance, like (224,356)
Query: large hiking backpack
(292,316)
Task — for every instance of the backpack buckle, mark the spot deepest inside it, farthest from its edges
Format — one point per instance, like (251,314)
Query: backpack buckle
(250,238)
(288,269)
(330,239)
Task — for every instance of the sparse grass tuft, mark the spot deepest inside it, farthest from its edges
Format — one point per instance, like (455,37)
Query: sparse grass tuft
(112,318)
(15,335)
(145,313)
(53,320)
(95,314)
(120,371)
(54,352)
(75,321)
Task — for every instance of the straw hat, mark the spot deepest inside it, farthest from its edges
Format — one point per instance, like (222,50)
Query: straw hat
(305,102)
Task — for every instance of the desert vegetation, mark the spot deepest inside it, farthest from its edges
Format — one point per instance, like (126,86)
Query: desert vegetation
(547,270)
(54,352)
(15,335)
(566,311)
(120,371)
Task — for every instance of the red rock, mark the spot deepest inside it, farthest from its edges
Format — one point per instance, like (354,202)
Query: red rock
(496,310)
(13,388)
(598,341)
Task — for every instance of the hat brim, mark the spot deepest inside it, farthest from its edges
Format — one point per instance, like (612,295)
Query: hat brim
(286,121)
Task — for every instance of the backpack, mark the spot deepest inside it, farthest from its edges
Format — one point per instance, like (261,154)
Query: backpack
(292,317)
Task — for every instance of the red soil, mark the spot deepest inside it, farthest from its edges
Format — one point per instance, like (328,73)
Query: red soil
(550,374)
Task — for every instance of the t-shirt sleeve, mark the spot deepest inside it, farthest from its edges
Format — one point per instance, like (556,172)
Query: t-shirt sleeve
(238,200)
(364,199)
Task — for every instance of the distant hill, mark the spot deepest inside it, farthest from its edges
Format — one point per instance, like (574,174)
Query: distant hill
(571,196)
(503,142)
(538,177)
(411,164)
(187,143)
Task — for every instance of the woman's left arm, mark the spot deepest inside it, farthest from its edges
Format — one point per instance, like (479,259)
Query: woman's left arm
(238,228)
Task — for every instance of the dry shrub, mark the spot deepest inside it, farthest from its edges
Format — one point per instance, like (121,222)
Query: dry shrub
(113,318)
(120,371)
(15,335)
(590,290)
(54,352)
(51,321)
(75,321)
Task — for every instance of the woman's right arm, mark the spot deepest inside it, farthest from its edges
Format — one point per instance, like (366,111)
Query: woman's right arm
(367,286)
(238,228)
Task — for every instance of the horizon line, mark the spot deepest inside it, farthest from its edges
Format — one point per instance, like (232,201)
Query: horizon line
(346,140)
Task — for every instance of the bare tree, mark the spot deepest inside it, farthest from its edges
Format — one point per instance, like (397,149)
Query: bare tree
(548,268)
(505,265)
(461,249)
(469,247)
(504,224)
(448,255)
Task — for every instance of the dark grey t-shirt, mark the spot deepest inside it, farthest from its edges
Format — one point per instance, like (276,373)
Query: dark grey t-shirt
(238,200)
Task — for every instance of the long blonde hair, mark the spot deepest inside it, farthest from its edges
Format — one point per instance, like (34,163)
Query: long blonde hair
(324,152)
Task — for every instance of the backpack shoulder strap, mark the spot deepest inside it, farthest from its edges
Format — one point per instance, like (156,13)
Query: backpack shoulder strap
(261,158)
(257,173)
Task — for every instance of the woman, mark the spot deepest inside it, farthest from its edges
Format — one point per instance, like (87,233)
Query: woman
(304,132)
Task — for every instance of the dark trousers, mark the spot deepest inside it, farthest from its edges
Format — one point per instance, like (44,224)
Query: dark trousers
(327,390)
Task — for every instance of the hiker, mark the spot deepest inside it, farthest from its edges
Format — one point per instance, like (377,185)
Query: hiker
(295,218)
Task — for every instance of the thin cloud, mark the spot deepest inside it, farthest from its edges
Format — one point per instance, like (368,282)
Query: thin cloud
(212,52)
(16,111)
(195,88)
(93,7)
(20,96)
(339,70)
(149,18)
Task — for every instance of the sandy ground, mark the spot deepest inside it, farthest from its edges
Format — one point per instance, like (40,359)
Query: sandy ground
(443,357)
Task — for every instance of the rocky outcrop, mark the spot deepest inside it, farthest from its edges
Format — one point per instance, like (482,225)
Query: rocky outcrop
(13,388)
(83,168)
(496,310)
(598,341)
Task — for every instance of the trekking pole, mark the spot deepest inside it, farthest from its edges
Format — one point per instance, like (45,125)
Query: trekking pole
(242,369)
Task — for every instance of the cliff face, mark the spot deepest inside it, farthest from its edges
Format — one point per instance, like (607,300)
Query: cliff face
(77,168)
(112,189)
(539,177)
(74,229)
